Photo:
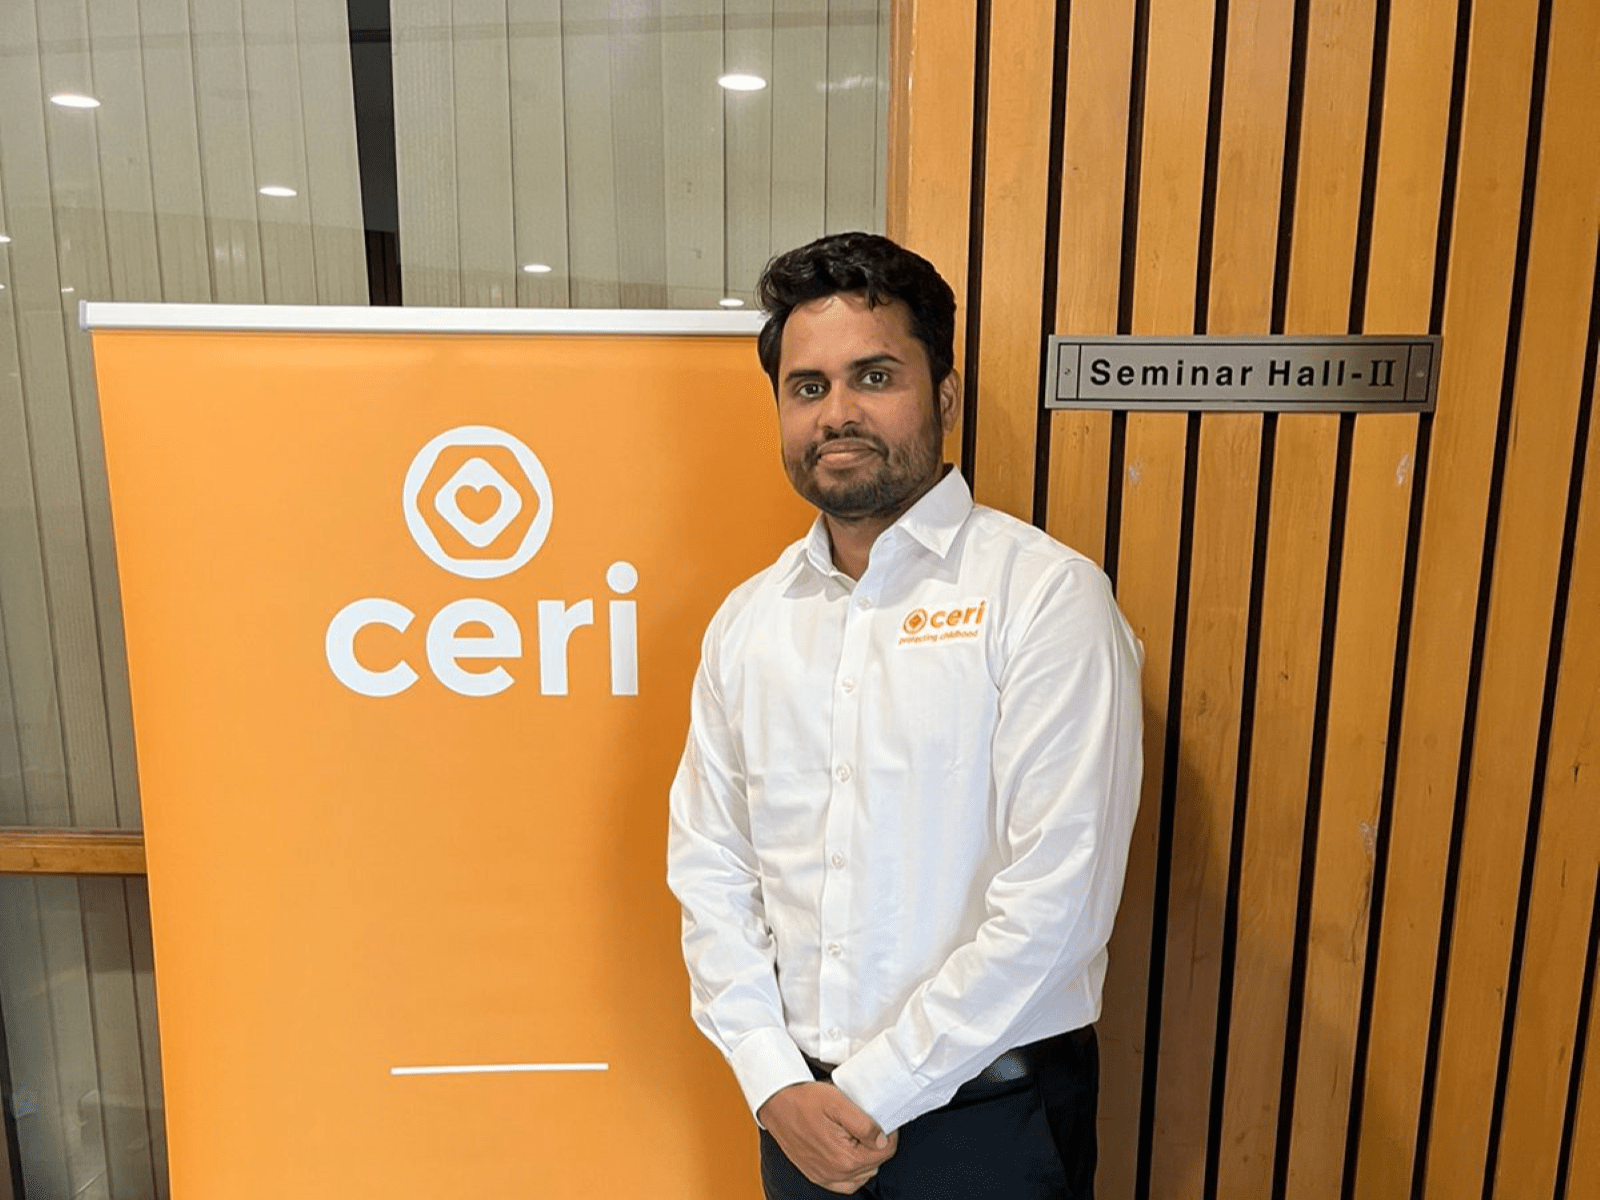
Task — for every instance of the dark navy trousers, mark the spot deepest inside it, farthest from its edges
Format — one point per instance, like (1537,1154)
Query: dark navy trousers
(1030,1139)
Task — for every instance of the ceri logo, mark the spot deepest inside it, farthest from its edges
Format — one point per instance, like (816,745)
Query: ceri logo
(479,503)
(487,489)
(923,626)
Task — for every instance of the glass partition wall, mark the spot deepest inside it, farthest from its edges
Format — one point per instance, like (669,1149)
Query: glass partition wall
(537,153)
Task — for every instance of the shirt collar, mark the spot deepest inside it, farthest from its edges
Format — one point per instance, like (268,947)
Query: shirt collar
(933,522)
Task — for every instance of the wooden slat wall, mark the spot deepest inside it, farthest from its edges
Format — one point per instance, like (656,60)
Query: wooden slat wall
(1357,951)
(591,136)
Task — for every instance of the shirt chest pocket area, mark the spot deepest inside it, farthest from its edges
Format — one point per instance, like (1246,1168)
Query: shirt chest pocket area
(938,709)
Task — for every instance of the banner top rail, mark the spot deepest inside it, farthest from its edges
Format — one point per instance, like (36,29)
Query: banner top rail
(349,318)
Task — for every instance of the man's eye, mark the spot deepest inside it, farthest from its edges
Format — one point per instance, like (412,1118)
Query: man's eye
(809,391)
(875,378)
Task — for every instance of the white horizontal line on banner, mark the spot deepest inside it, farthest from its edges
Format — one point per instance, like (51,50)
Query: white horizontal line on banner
(499,1068)
(335,318)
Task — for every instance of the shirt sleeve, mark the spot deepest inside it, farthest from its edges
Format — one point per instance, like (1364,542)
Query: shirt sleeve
(1067,758)
(711,868)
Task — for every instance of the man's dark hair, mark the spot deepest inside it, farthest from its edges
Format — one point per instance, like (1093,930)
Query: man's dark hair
(871,265)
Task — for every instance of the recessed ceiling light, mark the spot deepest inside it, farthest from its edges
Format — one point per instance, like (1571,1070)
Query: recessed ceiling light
(275,189)
(2,287)
(738,81)
(66,291)
(731,302)
(74,100)
(537,268)
(3,239)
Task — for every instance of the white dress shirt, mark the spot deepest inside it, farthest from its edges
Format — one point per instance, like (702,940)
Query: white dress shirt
(901,823)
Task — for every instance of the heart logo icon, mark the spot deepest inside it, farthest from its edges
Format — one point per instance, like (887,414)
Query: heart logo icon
(478,486)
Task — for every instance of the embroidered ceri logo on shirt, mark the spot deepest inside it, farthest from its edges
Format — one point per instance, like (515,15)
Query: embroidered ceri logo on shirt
(932,626)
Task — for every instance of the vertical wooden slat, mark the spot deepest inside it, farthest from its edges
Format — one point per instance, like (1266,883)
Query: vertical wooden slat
(1093,168)
(882,74)
(539,151)
(636,82)
(1177,72)
(425,152)
(747,141)
(1016,187)
(1482,248)
(1227,466)
(1555,331)
(1331,142)
(1094,164)
(930,156)
(1382,470)
(691,59)
(1243,260)
(902,35)
(1546,1029)
(852,166)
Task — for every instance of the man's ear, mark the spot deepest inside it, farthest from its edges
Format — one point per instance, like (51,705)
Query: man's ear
(949,400)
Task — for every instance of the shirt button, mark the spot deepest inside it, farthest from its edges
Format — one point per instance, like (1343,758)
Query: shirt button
(834,950)
(843,773)
(834,1033)
(848,685)
(837,860)
(864,603)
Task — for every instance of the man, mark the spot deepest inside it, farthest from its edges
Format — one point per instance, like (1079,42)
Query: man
(901,823)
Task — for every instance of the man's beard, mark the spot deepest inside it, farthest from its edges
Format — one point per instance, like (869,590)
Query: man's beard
(882,489)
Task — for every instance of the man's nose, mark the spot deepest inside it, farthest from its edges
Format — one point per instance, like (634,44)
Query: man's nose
(840,408)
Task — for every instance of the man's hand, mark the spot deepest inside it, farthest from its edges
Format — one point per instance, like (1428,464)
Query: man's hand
(834,1143)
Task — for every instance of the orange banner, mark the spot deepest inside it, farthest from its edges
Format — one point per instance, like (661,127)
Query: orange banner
(411,624)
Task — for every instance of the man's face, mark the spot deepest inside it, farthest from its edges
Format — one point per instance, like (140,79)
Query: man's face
(861,428)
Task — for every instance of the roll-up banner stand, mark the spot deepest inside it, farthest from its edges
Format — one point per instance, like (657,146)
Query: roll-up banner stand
(413,601)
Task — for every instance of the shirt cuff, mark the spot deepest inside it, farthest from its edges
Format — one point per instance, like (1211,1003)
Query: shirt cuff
(766,1062)
(883,1087)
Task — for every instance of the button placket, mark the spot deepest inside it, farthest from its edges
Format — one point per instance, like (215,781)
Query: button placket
(834,986)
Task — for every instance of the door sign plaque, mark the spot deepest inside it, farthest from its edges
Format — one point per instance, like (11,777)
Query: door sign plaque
(1238,374)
